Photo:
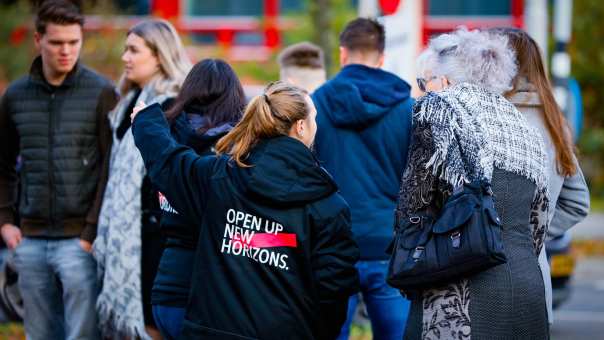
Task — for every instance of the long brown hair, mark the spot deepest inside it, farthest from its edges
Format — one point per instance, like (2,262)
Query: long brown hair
(268,115)
(531,68)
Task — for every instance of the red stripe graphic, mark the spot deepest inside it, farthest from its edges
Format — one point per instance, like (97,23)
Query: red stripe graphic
(271,240)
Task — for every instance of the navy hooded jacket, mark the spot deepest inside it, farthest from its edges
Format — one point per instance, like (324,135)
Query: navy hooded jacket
(275,255)
(364,123)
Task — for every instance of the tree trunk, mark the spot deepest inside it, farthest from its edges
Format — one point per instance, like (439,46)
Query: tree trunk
(323,36)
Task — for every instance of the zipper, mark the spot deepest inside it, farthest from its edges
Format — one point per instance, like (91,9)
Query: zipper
(51,179)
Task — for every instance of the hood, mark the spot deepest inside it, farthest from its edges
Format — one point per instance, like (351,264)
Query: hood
(359,95)
(188,124)
(284,172)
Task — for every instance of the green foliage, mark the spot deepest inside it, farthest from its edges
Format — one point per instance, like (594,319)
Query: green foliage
(339,13)
(587,55)
(101,50)
(360,332)
(15,41)
(12,331)
(254,71)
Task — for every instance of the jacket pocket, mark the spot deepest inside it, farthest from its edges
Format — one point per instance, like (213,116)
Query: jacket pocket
(23,187)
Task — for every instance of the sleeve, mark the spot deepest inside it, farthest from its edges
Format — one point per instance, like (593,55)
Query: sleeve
(334,257)
(420,187)
(572,205)
(107,101)
(539,218)
(9,140)
(175,170)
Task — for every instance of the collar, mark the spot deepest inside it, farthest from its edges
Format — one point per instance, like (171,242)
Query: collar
(37,74)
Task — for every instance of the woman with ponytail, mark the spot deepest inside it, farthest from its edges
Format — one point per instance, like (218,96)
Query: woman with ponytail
(275,256)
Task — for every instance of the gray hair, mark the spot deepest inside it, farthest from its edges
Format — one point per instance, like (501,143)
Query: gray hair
(476,57)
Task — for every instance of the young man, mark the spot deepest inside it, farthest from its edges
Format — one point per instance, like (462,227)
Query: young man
(364,122)
(55,118)
(302,64)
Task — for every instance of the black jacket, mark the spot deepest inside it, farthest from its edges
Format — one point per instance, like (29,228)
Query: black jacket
(173,280)
(275,257)
(175,226)
(63,137)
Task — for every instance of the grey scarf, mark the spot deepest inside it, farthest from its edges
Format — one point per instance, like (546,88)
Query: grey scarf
(474,131)
(117,247)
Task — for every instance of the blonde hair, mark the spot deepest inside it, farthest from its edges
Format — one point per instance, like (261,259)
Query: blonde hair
(268,115)
(163,40)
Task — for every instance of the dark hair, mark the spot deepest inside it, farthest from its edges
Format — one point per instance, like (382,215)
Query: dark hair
(304,54)
(59,12)
(364,35)
(531,68)
(211,88)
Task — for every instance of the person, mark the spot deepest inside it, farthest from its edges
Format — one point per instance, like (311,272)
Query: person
(303,65)
(464,130)
(275,257)
(364,123)
(209,104)
(55,118)
(533,96)
(129,244)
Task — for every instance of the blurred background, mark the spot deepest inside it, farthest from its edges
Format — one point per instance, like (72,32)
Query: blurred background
(250,33)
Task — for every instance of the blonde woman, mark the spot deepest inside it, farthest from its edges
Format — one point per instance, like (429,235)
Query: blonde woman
(129,245)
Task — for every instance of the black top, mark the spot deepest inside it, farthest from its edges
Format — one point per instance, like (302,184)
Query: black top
(173,281)
(63,137)
(275,258)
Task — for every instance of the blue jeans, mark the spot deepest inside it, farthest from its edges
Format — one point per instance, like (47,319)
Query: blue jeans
(168,320)
(58,283)
(387,309)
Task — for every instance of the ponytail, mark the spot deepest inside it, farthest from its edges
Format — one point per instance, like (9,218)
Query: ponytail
(268,115)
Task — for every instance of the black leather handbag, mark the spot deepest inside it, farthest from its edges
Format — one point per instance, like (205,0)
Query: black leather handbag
(466,238)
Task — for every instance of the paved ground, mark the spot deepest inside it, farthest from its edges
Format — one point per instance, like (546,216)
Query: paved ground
(591,228)
(582,317)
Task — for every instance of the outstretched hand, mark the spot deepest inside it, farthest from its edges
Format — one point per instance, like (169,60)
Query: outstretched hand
(139,106)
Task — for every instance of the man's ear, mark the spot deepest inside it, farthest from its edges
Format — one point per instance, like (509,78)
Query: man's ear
(37,39)
(300,127)
(343,56)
